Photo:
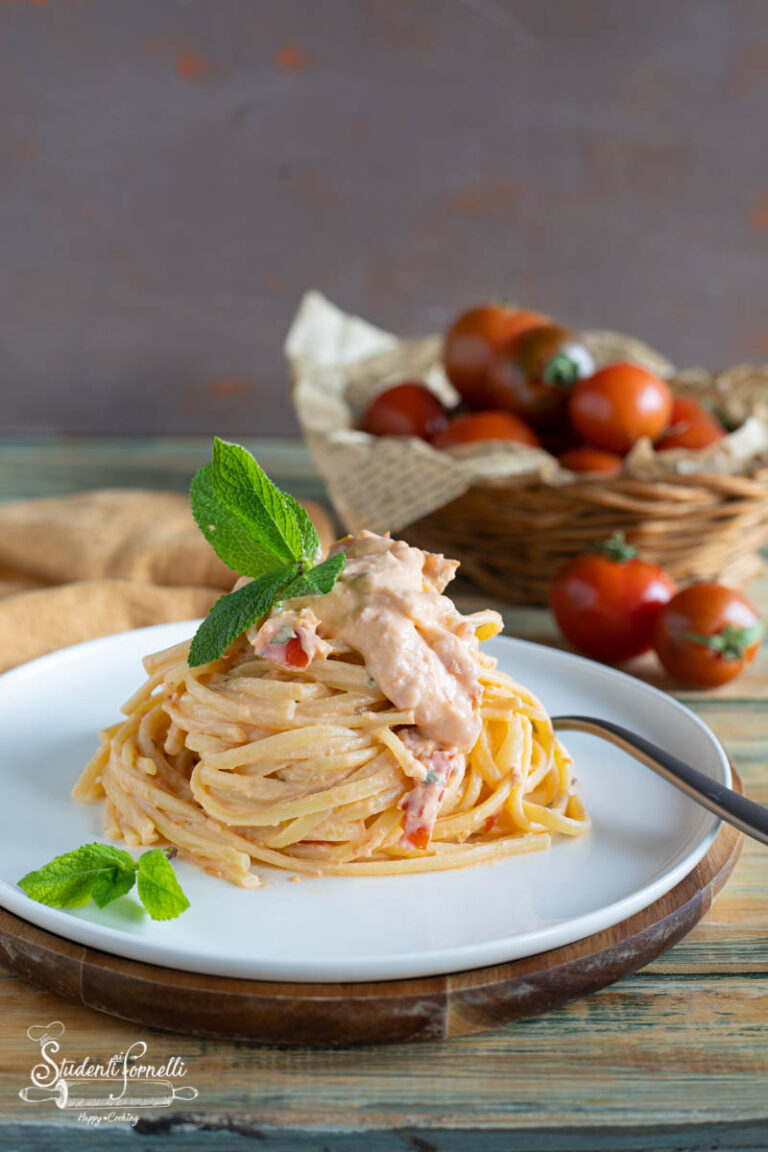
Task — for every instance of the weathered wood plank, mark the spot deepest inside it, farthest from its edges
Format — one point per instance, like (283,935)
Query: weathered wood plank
(649,1050)
(230,1133)
(35,466)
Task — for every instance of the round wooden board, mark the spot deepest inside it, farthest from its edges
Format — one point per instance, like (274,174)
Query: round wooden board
(385,1012)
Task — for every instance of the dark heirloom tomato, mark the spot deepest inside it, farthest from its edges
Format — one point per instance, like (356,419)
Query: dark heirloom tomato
(485,426)
(532,373)
(408,409)
(706,634)
(606,603)
(690,426)
(618,405)
(471,341)
(585,459)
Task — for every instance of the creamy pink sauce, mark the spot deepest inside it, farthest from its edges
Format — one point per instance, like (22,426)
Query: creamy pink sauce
(418,648)
(387,605)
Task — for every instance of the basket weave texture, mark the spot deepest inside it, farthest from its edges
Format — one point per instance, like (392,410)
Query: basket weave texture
(511,540)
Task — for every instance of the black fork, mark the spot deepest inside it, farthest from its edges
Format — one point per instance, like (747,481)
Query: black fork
(749,817)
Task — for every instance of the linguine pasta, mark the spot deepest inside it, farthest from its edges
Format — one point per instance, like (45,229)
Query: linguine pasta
(305,747)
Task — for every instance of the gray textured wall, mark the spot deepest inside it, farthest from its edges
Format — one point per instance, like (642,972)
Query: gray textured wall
(177,173)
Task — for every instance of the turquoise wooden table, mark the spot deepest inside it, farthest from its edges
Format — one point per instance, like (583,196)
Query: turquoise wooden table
(674,1057)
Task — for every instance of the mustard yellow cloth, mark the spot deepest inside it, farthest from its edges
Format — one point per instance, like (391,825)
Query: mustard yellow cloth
(76,567)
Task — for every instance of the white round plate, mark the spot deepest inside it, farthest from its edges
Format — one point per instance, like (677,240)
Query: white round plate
(645,837)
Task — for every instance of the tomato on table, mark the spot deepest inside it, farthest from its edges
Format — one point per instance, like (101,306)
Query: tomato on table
(532,373)
(477,426)
(606,602)
(690,426)
(471,341)
(707,634)
(583,458)
(407,409)
(618,405)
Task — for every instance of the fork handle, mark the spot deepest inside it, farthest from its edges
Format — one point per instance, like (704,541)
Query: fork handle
(744,814)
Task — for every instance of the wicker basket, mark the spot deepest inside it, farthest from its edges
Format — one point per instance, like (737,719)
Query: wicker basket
(512,522)
(510,540)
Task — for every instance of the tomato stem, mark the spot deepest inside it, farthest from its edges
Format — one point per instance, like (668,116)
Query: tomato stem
(724,418)
(730,642)
(562,371)
(616,548)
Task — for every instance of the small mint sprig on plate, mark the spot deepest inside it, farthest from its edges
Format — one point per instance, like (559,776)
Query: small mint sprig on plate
(258,531)
(102,873)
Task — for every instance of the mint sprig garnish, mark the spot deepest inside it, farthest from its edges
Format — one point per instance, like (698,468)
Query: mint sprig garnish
(258,531)
(102,873)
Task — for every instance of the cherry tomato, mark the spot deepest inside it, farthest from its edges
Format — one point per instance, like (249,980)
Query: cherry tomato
(618,405)
(472,339)
(606,603)
(408,409)
(706,634)
(532,373)
(586,459)
(691,426)
(485,426)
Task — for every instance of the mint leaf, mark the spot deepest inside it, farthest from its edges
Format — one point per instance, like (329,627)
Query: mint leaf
(247,491)
(229,534)
(234,613)
(159,890)
(310,541)
(73,879)
(315,581)
(111,887)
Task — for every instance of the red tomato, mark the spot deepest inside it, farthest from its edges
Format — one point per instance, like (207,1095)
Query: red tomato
(618,405)
(706,634)
(606,603)
(691,426)
(485,426)
(295,656)
(586,459)
(471,341)
(532,373)
(408,409)
(420,837)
